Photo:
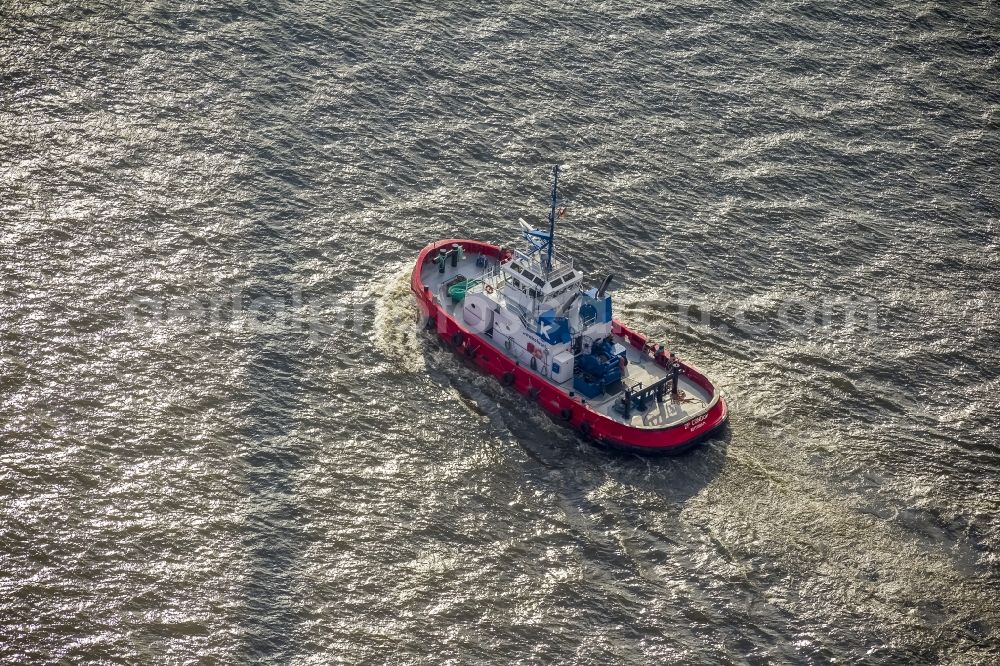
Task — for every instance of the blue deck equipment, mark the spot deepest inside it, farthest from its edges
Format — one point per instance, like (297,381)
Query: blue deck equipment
(599,369)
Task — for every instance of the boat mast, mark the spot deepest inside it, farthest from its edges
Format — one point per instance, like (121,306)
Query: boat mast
(552,216)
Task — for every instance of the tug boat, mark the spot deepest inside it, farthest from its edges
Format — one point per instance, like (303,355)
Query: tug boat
(526,317)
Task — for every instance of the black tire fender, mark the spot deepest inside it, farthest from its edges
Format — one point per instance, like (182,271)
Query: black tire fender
(457,338)
(585,429)
(566,413)
(507,378)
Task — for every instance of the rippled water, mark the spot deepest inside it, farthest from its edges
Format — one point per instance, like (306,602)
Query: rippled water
(223,438)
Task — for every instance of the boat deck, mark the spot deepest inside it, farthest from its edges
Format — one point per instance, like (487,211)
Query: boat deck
(691,400)
(436,281)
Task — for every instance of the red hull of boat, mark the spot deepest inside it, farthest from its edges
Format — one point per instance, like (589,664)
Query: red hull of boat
(672,439)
